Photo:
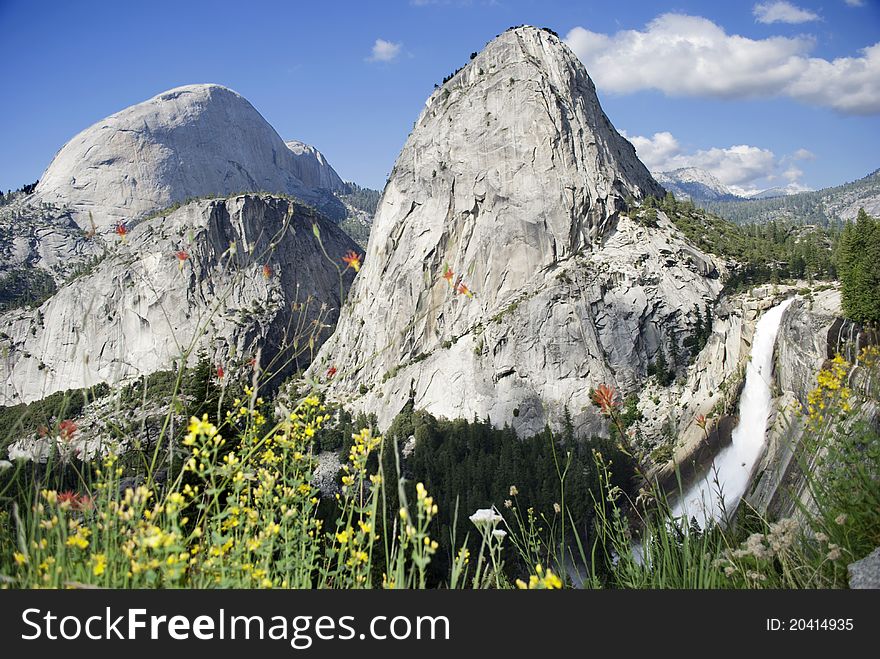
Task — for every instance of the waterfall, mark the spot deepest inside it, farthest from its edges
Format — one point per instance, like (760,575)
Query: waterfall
(732,468)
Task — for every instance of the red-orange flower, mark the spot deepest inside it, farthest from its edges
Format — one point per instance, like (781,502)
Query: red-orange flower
(464,290)
(121,231)
(220,372)
(75,500)
(67,428)
(604,397)
(448,274)
(352,260)
(267,271)
(181,257)
(701,421)
(331,372)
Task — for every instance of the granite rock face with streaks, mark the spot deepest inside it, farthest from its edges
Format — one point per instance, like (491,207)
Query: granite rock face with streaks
(250,262)
(515,182)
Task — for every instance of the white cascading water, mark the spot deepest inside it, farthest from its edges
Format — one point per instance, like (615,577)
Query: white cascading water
(732,467)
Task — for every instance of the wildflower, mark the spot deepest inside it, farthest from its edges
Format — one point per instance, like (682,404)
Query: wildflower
(541,580)
(821,537)
(840,520)
(513,491)
(556,508)
(121,231)
(508,503)
(833,553)
(100,564)
(485,517)
(701,421)
(20,559)
(74,500)
(67,428)
(181,257)
(220,372)
(331,372)
(352,260)
(267,271)
(499,533)
(604,397)
(5,464)
(464,290)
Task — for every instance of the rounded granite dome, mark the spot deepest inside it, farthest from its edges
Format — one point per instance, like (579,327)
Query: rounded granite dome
(192,141)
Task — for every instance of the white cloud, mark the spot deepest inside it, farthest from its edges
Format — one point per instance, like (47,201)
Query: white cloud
(745,169)
(384,51)
(782,12)
(684,55)
(855,3)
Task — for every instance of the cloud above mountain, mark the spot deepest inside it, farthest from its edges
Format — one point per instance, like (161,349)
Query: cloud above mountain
(682,55)
(384,51)
(743,168)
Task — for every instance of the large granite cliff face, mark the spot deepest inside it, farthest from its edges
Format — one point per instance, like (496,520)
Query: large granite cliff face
(515,184)
(192,141)
(225,276)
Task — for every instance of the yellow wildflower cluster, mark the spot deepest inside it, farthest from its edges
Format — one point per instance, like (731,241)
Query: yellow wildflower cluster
(541,580)
(831,393)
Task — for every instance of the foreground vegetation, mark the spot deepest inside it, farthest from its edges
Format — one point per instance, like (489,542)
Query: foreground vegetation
(240,509)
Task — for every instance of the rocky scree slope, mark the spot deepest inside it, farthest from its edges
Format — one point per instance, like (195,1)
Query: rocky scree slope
(515,184)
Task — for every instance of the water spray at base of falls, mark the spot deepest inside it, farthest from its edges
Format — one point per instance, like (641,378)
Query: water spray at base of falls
(716,496)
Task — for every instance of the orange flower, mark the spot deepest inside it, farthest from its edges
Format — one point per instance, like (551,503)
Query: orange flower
(121,231)
(464,290)
(75,500)
(352,260)
(701,421)
(448,274)
(331,372)
(67,428)
(220,372)
(181,257)
(267,271)
(604,397)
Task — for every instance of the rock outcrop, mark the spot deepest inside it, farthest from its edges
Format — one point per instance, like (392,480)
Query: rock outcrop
(227,277)
(312,168)
(508,270)
(192,141)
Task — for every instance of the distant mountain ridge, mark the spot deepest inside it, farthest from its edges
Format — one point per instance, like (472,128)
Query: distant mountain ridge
(694,183)
(822,207)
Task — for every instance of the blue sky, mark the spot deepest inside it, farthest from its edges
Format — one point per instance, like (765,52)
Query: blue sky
(762,94)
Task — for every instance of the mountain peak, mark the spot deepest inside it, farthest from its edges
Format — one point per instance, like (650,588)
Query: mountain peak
(191,141)
(499,242)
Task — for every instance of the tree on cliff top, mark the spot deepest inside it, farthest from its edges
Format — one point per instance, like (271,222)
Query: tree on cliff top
(858,265)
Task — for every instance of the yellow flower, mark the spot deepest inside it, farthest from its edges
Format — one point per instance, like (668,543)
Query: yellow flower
(20,559)
(99,564)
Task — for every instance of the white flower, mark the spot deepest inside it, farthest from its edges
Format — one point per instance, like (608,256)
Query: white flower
(5,464)
(499,533)
(485,517)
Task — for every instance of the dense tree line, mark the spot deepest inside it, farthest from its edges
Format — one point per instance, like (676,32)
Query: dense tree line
(762,252)
(858,263)
(467,465)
